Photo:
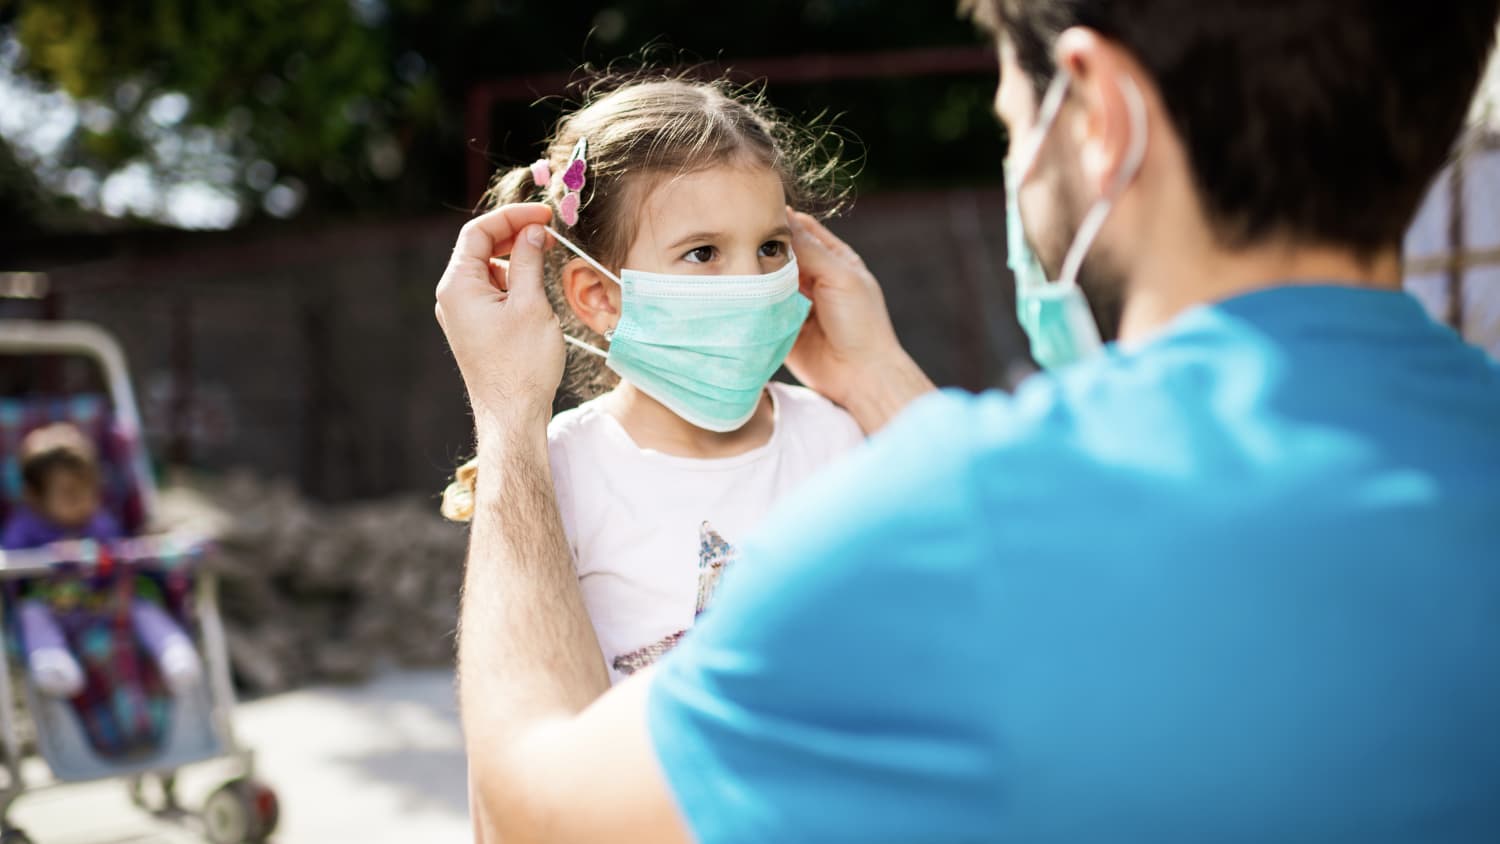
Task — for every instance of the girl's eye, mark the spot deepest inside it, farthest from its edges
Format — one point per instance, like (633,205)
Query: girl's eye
(701,255)
(772,249)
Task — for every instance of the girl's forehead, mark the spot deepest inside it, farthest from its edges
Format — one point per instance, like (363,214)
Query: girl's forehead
(724,198)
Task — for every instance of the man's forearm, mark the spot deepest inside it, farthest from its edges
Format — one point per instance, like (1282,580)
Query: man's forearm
(885,390)
(527,650)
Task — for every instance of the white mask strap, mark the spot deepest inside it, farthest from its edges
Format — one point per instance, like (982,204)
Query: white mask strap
(591,349)
(587,347)
(572,247)
(1045,116)
(1135,156)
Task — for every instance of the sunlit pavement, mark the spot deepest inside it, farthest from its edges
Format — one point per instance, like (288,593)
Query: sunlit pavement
(376,763)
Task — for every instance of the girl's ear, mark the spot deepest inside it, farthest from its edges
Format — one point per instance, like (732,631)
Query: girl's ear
(594,297)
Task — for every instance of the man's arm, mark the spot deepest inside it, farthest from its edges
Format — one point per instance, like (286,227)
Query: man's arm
(544,765)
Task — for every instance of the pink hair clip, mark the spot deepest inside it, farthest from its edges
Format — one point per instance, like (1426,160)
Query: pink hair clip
(541,172)
(573,180)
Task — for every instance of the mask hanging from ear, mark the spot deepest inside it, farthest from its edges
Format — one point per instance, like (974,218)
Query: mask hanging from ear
(1055,314)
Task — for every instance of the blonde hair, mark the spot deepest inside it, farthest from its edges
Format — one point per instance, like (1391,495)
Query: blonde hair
(641,128)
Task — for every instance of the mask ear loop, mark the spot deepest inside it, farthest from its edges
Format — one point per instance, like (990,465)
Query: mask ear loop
(572,247)
(1046,115)
(1030,151)
(1135,156)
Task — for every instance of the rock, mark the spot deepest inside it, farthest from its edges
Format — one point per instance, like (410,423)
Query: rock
(316,593)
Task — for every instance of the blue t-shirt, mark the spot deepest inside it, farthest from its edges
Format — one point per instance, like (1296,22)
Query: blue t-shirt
(1241,584)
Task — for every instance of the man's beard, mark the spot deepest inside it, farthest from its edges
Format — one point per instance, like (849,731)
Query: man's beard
(1102,283)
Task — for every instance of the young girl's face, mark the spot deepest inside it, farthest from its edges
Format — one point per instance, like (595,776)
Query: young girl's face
(725,220)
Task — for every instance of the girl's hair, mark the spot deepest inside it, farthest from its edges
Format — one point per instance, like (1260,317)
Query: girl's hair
(55,448)
(641,129)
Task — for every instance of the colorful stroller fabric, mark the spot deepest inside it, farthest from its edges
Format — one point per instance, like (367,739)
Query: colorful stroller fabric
(112,614)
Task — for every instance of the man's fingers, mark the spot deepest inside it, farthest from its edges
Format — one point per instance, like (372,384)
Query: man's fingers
(500,274)
(811,252)
(816,262)
(493,234)
(819,233)
(524,275)
(482,239)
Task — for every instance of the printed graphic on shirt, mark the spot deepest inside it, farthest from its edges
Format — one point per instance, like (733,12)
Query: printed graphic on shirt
(714,555)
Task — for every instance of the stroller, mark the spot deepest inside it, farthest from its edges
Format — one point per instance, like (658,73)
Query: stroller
(126,721)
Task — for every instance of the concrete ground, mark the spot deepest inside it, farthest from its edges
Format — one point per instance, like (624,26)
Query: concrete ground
(377,763)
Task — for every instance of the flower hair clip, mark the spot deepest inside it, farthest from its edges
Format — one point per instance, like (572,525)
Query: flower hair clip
(572,178)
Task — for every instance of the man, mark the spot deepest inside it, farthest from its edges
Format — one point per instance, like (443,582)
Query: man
(1234,580)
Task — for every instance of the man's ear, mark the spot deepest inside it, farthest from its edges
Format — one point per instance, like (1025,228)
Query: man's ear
(1101,127)
(593,296)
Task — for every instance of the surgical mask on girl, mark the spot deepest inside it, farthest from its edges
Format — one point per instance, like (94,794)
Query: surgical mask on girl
(703,346)
(1055,314)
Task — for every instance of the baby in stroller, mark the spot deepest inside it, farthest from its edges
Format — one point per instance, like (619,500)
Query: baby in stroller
(60,473)
(61,476)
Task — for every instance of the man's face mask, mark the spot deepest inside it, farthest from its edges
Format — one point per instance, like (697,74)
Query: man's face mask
(1055,314)
(703,346)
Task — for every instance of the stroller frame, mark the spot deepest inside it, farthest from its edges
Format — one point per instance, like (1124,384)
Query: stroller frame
(82,339)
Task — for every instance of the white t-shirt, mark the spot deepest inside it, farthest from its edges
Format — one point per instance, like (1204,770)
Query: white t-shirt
(651,532)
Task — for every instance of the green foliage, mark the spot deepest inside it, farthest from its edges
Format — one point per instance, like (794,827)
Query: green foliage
(21,198)
(361,102)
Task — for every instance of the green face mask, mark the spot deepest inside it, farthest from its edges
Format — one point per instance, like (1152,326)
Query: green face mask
(1055,314)
(703,346)
(1055,317)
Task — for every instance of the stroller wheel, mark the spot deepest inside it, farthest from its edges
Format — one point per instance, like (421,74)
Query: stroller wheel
(240,811)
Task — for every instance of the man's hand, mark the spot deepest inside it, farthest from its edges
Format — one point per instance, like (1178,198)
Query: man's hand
(495,314)
(848,349)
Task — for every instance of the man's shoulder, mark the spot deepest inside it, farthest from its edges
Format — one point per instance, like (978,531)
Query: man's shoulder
(952,434)
(967,464)
(921,479)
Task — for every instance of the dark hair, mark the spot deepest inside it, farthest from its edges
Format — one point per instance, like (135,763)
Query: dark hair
(646,125)
(55,448)
(1319,120)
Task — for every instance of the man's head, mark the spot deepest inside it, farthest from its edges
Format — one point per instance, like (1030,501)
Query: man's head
(1297,123)
(60,474)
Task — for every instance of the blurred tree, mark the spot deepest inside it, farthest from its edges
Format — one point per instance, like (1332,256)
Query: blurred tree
(21,197)
(356,106)
(279,100)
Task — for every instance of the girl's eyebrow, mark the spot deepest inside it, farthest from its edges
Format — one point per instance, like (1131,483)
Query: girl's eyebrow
(696,236)
(779,231)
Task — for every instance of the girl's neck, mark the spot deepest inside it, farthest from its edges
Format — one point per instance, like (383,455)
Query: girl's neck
(652,426)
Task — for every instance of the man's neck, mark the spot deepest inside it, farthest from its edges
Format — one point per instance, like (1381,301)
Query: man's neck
(1173,281)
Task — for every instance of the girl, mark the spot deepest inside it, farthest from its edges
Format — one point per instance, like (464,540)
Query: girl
(671,204)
